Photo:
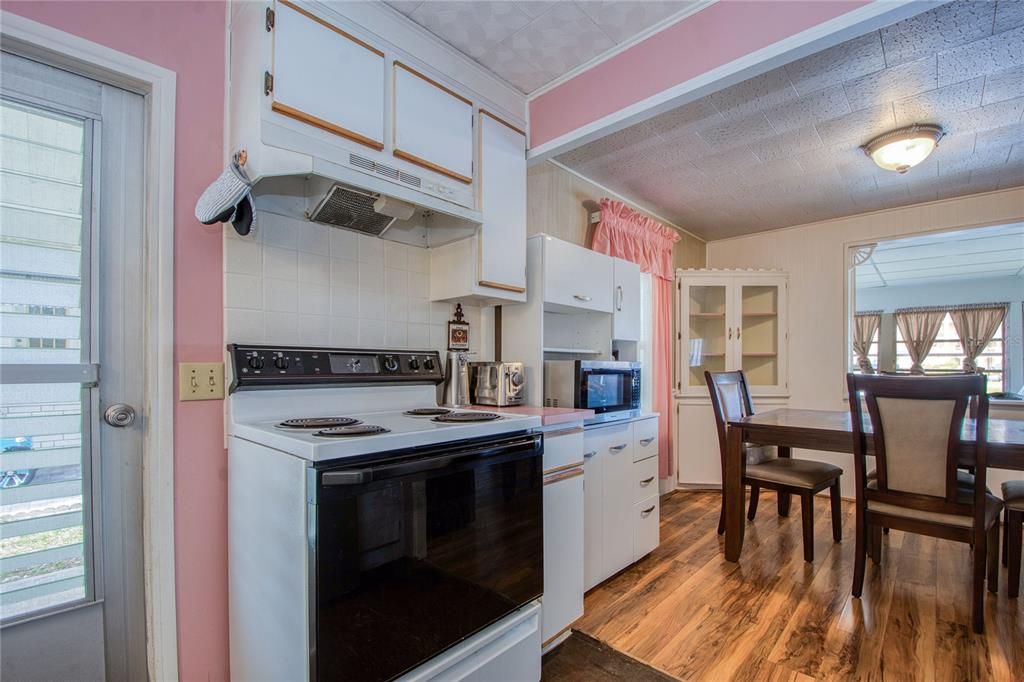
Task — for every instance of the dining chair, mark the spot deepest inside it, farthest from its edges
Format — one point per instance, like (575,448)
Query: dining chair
(1013,527)
(770,467)
(916,426)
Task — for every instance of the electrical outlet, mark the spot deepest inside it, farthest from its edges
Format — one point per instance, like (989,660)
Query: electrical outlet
(201,381)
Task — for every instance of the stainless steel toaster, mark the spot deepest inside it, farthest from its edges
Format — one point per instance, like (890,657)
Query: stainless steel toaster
(501,384)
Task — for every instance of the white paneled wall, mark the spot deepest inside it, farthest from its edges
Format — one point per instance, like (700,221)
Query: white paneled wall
(293,282)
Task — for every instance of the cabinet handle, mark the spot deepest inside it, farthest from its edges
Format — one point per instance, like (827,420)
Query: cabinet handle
(618,303)
(647,441)
(646,482)
(647,512)
(588,455)
(579,297)
(618,448)
(738,330)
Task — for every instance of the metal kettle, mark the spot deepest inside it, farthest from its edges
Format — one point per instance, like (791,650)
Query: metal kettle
(455,392)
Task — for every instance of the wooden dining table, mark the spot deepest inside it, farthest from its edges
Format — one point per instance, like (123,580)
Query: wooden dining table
(830,431)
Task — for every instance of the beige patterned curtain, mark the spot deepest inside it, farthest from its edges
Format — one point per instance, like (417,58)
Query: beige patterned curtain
(976,325)
(865,325)
(919,327)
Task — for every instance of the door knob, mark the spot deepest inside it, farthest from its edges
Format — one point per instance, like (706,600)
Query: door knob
(120,415)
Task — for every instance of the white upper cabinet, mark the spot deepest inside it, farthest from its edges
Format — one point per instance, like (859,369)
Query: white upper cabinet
(576,277)
(327,77)
(433,125)
(503,202)
(626,315)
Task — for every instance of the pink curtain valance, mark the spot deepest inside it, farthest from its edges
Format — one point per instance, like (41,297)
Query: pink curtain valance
(624,233)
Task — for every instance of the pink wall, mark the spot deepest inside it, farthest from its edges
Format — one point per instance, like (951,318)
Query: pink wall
(187,38)
(717,35)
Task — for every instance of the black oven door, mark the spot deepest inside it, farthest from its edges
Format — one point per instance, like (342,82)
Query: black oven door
(606,390)
(418,550)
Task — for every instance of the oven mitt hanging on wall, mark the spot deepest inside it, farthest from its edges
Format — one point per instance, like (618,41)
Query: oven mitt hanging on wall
(228,199)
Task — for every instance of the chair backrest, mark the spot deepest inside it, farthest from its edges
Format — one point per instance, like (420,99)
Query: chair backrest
(730,399)
(916,438)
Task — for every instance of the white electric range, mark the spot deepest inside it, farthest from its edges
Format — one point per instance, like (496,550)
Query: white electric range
(372,534)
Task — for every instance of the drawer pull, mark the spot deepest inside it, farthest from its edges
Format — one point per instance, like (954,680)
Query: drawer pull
(647,481)
(647,512)
(646,441)
(585,299)
(618,448)
(588,455)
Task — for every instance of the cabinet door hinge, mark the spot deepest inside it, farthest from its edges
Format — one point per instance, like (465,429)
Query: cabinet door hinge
(268,82)
(270,19)
(679,336)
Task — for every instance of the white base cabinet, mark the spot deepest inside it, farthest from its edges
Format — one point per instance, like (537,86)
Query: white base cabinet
(621,507)
(563,532)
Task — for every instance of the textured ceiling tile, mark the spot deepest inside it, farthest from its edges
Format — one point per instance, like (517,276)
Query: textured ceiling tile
(687,117)
(807,110)
(684,145)
(847,60)
(1000,137)
(726,162)
(534,8)
(944,27)
(1009,14)
(511,66)
(622,20)
(788,144)
(404,6)
(982,57)
(984,159)
(928,107)
(471,27)
(771,172)
(560,39)
(954,146)
(1005,84)
(622,141)
(859,127)
(761,92)
(736,132)
(896,82)
(1005,113)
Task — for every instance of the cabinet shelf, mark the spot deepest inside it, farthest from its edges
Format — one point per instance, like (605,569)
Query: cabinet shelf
(573,351)
(760,355)
(708,315)
(760,314)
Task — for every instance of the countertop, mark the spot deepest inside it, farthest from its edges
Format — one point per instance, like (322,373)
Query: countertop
(549,416)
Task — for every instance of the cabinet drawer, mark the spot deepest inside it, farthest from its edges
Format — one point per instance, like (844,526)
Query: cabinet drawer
(609,440)
(645,439)
(645,478)
(646,526)
(563,449)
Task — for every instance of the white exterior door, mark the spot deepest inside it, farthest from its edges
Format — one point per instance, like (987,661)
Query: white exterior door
(71,310)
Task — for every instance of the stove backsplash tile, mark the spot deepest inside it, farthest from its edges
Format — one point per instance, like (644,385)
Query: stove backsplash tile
(294,282)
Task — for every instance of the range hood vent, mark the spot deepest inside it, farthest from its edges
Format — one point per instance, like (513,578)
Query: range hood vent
(387,171)
(352,209)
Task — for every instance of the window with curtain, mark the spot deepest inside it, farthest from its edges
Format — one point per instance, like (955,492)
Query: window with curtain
(947,354)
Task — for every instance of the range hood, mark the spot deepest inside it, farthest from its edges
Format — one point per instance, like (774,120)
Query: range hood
(357,201)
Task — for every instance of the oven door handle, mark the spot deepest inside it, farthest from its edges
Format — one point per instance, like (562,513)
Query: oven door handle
(415,466)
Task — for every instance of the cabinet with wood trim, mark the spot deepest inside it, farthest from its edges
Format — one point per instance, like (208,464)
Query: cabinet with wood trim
(326,77)
(502,182)
(433,124)
(621,506)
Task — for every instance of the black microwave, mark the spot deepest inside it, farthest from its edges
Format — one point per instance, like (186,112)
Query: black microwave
(610,389)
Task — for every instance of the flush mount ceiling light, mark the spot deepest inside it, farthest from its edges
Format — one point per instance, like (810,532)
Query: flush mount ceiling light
(901,149)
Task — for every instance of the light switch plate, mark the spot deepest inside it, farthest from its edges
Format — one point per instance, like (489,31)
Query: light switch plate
(201,381)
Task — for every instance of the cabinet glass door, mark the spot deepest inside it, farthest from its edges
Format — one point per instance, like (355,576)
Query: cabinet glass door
(706,340)
(758,333)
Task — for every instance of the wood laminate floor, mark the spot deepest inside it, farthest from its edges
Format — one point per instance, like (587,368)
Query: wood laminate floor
(688,612)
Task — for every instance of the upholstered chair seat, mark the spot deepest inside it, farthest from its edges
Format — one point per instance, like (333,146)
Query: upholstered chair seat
(797,473)
(993,505)
(1013,495)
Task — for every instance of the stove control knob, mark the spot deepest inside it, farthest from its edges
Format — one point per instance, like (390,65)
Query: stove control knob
(391,363)
(256,362)
(428,364)
(414,363)
(516,378)
(281,362)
